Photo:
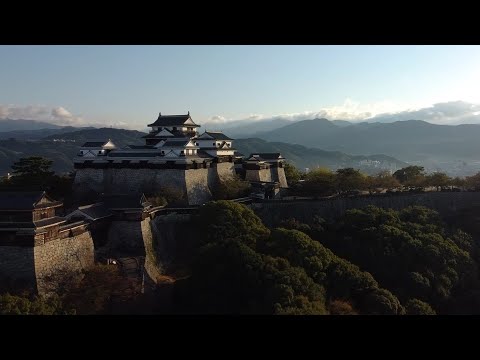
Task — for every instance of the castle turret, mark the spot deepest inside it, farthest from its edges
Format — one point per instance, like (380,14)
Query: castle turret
(266,167)
(96,148)
(167,126)
(215,143)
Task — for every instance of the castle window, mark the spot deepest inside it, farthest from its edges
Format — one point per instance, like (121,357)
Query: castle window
(214,144)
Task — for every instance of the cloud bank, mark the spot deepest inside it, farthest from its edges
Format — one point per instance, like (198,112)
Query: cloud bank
(447,113)
(54,115)
(57,115)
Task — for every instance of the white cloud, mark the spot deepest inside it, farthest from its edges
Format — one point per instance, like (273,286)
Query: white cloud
(57,115)
(216,119)
(450,112)
(350,110)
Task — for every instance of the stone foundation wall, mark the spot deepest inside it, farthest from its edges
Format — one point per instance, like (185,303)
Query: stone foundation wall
(88,179)
(152,266)
(195,184)
(224,171)
(258,175)
(62,257)
(41,268)
(278,174)
(125,238)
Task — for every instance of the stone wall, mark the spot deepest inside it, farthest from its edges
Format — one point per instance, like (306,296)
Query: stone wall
(272,212)
(152,266)
(224,170)
(125,238)
(278,174)
(59,258)
(160,240)
(40,268)
(88,179)
(195,184)
(258,175)
(172,233)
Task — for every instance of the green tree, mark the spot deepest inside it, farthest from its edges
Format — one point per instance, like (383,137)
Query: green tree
(232,188)
(341,307)
(411,175)
(32,166)
(33,171)
(223,220)
(473,182)
(319,182)
(231,278)
(349,179)
(418,307)
(93,294)
(24,305)
(383,180)
(438,179)
(292,174)
(294,224)
(340,278)
(458,181)
(422,261)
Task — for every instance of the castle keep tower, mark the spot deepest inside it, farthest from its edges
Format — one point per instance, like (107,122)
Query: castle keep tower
(174,156)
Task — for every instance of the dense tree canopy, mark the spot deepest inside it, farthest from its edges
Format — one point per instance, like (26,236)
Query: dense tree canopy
(292,174)
(423,260)
(232,188)
(341,279)
(438,179)
(349,179)
(411,175)
(319,182)
(24,305)
(33,173)
(223,220)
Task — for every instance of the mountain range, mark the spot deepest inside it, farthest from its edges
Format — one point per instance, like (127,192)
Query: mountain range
(454,149)
(62,147)
(451,148)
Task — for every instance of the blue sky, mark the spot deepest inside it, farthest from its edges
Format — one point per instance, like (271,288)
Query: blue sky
(128,85)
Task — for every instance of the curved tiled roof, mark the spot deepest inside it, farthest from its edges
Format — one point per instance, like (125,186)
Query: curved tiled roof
(172,120)
(217,135)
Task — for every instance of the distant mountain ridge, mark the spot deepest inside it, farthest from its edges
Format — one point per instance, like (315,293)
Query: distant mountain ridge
(303,157)
(407,140)
(120,137)
(37,134)
(451,148)
(23,124)
(61,148)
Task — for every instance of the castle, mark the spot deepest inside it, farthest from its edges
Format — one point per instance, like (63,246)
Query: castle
(175,156)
